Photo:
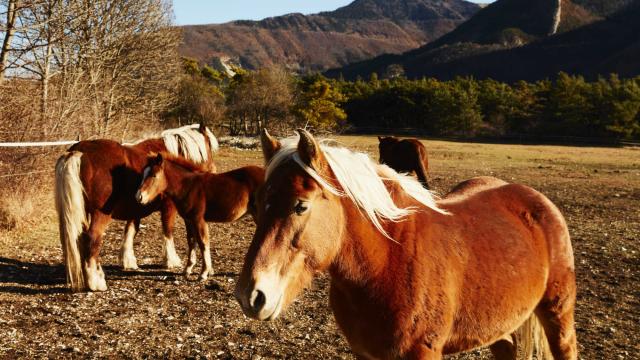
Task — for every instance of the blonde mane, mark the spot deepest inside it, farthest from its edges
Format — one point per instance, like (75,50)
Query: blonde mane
(189,142)
(362,181)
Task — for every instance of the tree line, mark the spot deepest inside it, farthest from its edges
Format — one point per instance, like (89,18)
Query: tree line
(608,108)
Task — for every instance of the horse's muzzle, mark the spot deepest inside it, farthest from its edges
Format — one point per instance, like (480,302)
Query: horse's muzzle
(140,197)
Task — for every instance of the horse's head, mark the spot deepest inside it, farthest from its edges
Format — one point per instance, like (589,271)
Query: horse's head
(299,225)
(153,182)
(385,144)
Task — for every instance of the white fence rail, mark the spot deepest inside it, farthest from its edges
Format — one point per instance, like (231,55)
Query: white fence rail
(36,143)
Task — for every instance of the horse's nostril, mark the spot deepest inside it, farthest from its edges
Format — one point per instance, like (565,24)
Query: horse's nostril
(257,301)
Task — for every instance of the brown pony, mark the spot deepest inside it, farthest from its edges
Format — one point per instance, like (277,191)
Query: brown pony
(200,197)
(410,277)
(96,181)
(405,155)
(194,142)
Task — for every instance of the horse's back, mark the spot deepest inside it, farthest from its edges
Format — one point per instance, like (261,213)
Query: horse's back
(99,145)
(109,171)
(490,199)
(151,146)
(472,186)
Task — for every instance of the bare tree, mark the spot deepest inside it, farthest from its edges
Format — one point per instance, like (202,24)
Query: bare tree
(129,57)
(259,97)
(11,10)
(112,60)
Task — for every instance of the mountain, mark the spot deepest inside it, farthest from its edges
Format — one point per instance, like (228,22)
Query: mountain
(358,31)
(493,42)
(611,45)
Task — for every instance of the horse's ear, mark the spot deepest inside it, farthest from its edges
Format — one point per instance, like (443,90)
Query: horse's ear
(309,150)
(270,145)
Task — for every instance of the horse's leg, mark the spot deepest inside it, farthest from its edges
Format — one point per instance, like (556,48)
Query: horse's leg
(127,256)
(202,234)
(94,275)
(191,242)
(559,328)
(505,348)
(168,215)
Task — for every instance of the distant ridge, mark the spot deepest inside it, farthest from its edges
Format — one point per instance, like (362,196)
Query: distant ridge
(494,42)
(358,31)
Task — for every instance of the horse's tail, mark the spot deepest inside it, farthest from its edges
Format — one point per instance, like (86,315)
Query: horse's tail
(423,166)
(71,215)
(531,339)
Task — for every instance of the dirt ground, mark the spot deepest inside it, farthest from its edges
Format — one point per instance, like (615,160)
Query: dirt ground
(156,313)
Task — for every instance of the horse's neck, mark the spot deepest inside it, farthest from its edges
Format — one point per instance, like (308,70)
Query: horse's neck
(366,255)
(177,180)
(364,250)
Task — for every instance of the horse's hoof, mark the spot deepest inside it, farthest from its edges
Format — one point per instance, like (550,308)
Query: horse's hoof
(204,276)
(99,285)
(172,264)
(128,261)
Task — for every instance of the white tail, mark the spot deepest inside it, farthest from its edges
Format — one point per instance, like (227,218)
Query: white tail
(71,215)
(531,340)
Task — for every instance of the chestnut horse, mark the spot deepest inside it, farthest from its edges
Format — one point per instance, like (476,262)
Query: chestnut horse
(405,155)
(194,142)
(96,181)
(411,277)
(200,197)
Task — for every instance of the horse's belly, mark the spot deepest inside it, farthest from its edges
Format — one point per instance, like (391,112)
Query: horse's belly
(497,306)
(129,210)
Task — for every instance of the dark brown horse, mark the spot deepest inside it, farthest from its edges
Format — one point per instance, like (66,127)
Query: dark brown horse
(200,197)
(411,277)
(405,156)
(96,182)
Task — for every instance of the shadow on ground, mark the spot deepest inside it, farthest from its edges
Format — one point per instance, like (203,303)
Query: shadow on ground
(20,277)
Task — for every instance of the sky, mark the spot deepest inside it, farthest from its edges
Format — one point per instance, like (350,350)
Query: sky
(191,12)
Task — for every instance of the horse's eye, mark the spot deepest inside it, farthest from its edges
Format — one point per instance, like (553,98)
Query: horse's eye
(301,207)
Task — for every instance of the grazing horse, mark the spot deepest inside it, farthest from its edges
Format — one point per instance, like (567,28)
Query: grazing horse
(405,155)
(200,197)
(96,182)
(411,277)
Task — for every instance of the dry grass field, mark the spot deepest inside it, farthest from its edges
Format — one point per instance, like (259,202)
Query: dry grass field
(156,313)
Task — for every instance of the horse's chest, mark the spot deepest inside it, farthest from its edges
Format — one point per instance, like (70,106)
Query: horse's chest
(368,327)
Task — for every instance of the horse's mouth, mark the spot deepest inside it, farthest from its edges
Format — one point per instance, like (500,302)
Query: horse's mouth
(276,311)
